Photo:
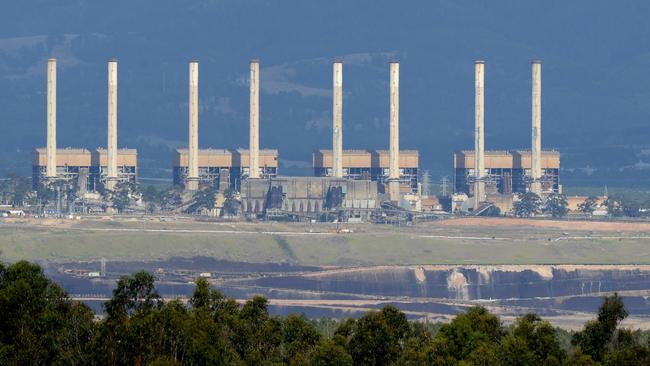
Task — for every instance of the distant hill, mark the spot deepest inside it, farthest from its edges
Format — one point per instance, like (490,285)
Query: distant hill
(596,88)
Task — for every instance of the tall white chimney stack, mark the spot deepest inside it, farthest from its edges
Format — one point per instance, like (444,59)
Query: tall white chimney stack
(51,119)
(111,147)
(254,137)
(192,182)
(479,134)
(393,176)
(536,150)
(337,128)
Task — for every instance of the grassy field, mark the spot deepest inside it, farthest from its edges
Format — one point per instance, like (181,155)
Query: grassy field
(435,243)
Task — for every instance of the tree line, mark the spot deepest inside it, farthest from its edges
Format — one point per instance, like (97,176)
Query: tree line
(16,190)
(556,205)
(40,325)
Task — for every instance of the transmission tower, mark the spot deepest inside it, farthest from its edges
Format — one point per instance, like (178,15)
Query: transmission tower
(58,201)
(443,182)
(426,183)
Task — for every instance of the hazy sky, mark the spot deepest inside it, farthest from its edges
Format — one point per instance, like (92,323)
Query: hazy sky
(596,88)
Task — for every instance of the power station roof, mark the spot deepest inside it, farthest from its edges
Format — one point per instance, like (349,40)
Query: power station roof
(81,150)
(119,151)
(491,152)
(211,150)
(65,150)
(366,151)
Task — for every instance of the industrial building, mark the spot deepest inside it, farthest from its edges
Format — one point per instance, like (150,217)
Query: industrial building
(491,177)
(90,169)
(395,171)
(309,196)
(356,182)
(353,183)
(194,167)
(506,172)
(371,165)
(223,168)
(87,168)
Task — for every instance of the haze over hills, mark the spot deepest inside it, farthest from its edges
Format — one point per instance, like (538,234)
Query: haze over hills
(596,89)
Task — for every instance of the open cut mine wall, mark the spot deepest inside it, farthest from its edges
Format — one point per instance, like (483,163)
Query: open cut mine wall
(470,282)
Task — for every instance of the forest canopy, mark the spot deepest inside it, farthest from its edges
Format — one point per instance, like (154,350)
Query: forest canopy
(41,325)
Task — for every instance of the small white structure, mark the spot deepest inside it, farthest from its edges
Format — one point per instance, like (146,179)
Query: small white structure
(460,203)
(411,202)
(14,213)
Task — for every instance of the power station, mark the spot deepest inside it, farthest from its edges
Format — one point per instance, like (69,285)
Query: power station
(307,196)
(348,184)
(506,172)
(371,165)
(223,166)
(493,177)
(90,170)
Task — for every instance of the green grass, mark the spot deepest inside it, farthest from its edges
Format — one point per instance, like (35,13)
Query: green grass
(32,244)
(375,247)
(400,249)
(285,247)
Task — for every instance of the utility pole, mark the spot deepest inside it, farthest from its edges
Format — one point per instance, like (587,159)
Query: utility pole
(102,270)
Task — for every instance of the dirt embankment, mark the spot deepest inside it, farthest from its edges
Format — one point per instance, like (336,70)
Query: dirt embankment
(49,222)
(462,222)
(611,226)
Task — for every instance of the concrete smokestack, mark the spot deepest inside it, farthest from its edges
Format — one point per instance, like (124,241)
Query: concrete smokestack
(254,137)
(479,137)
(51,119)
(337,135)
(393,176)
(193,148)
(112,177)
(536,150)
